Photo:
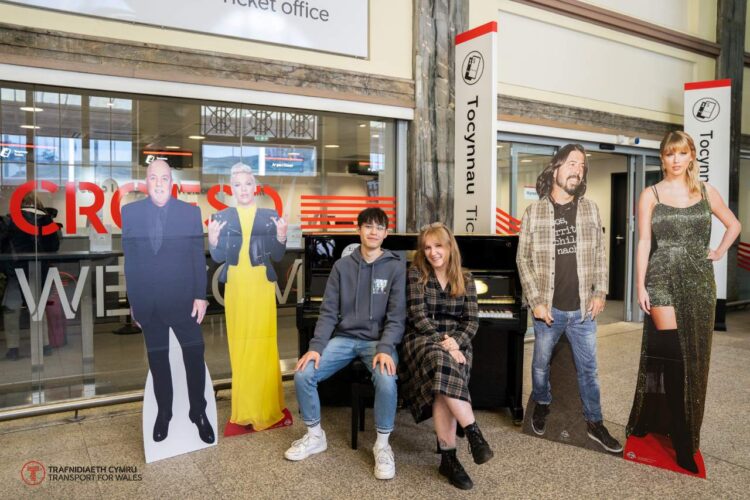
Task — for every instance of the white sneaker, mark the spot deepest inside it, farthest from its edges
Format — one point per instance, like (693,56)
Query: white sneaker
(385,464)
(308,445)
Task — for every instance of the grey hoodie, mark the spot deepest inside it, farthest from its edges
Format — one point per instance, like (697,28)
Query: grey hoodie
(364,301)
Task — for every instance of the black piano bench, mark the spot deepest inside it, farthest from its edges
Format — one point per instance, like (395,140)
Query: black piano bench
(363,393)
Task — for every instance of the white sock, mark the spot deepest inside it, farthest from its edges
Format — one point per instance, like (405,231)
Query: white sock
(316,430)
(382,440)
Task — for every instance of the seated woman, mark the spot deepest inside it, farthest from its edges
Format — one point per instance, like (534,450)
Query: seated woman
(247,239)
(442,320)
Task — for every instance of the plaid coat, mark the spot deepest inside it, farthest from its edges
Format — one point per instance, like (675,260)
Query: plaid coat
(536,254)
(427,368)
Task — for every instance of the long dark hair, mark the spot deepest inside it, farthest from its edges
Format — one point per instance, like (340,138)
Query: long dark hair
(546,179)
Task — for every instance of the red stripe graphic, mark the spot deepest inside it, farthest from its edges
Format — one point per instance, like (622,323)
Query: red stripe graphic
(356,198)
(324,213)
(711,84)
(346,212)
(319,227)
(506,222)
(356,205)
(476,32)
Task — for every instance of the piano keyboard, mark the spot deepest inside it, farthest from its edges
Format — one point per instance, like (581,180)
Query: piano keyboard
(495,314)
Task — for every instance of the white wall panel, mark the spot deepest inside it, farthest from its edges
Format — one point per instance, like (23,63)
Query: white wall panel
(694,17)
(746,101)
(553,58)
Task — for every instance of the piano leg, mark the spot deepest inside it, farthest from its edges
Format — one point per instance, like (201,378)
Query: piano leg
(515,376)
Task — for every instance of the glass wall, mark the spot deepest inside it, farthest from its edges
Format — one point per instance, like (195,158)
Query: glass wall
(70,159)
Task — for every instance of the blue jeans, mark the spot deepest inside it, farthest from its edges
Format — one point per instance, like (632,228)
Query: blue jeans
(582,338)
(339,352)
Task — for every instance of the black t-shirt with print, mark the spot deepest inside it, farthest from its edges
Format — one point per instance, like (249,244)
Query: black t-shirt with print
(566,265)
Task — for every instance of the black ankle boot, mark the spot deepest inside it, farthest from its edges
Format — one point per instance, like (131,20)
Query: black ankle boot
(480,450)
(451,468)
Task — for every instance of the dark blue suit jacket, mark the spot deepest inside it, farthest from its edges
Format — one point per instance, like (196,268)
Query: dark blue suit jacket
(165,283)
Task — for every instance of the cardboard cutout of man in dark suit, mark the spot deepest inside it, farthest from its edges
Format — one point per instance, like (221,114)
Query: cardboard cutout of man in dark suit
(165,273)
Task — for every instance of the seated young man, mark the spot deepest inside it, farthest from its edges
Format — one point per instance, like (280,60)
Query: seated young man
(362,315)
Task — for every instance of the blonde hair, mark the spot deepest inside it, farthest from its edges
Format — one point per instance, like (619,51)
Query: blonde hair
(241,168)
(678,140)
(439,231)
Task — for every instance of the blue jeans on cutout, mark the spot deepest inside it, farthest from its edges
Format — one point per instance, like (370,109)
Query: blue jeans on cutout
(339,352)
(582,338)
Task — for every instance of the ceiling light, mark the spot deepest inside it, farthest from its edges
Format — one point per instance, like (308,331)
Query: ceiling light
(526,161)
(588,154)
(172,147)
(362,125)
(31,109)
(375,136)
(331,146)
(34,127)
(196,137)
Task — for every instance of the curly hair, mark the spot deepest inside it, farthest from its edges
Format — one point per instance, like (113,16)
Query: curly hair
(546,179)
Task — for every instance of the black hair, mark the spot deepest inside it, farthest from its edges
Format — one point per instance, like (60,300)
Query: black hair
(546,179)
(372,215)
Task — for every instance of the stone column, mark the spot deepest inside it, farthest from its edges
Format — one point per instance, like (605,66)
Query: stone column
(730,33)
(430,160)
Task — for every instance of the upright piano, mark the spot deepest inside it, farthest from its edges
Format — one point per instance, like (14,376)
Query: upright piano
(497,371)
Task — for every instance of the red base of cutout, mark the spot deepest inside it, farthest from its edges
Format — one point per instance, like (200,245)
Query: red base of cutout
(656,450)
(236,430)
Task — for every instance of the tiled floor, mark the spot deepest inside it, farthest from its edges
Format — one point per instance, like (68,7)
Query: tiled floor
(252,466)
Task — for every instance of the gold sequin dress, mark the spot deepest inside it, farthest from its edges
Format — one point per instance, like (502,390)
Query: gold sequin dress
(679,274)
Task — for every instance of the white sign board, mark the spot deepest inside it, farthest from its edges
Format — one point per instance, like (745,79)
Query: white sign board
(707,120)
(338,26)
(474,187)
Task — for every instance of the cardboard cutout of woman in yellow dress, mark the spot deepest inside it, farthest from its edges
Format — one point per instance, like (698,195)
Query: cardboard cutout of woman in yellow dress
(247,238)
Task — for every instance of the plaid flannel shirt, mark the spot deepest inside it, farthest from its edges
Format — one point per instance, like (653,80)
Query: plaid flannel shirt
(536,254)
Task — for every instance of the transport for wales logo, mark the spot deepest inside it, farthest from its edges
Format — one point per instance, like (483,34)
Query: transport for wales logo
(33,473)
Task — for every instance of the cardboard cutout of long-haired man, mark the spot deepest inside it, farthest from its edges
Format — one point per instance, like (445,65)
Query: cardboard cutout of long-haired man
(563,269)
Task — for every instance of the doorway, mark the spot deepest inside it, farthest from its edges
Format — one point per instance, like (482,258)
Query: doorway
(618,236)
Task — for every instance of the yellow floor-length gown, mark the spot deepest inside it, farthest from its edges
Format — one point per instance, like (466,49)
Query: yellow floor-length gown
(250,305)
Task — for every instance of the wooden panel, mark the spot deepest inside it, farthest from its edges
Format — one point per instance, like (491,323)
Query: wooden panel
(58,50)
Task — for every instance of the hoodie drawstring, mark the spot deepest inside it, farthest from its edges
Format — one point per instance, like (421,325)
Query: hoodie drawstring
(372,279)
(356,293)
